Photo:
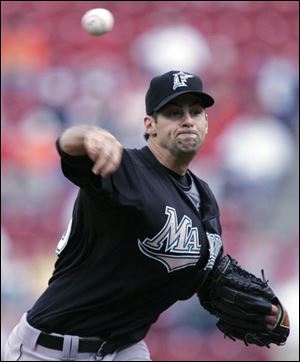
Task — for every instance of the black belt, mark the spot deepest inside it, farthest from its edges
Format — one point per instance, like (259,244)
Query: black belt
(85,344)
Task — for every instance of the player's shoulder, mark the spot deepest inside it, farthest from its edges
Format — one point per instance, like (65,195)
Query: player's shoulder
(142,156)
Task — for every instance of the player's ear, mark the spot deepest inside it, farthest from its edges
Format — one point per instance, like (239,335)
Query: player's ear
(149,123)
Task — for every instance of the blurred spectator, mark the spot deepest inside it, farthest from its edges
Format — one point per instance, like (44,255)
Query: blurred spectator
(278,90)
(256,150)
(171,47)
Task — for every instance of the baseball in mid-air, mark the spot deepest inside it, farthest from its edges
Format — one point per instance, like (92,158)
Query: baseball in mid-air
(97,21)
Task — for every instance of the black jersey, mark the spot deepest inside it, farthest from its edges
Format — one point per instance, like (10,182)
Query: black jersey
(136,244)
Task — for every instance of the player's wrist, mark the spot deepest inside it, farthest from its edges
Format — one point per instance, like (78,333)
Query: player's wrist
(72,140)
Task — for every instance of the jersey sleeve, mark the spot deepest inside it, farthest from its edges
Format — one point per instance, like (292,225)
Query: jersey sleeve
(78,169)
(122,186)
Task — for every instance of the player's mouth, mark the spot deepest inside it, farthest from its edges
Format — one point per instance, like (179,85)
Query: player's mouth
(187,134)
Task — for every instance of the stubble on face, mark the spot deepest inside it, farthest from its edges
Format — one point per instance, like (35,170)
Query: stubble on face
(187,143)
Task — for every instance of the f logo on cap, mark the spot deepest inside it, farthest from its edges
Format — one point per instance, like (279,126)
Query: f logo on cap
(170,85)
(180,79)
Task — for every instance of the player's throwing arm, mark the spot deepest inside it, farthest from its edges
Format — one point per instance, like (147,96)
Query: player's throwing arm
(101,147)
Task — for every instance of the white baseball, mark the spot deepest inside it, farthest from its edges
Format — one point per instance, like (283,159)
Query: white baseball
(97,21)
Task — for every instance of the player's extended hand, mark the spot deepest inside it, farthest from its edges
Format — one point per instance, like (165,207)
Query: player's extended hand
(104,149)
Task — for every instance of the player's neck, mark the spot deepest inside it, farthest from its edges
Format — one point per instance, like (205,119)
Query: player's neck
(169,160)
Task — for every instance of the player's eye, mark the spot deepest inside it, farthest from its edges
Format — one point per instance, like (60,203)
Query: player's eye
(174,113)
(196,112)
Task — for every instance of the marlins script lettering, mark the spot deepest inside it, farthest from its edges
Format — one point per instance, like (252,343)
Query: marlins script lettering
(176,246)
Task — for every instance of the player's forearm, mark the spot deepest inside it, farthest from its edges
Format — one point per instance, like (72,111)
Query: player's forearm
(72,141)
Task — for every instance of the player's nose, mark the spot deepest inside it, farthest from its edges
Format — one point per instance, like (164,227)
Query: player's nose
(187,120)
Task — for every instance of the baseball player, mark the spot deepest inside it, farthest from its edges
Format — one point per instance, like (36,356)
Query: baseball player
(144,231)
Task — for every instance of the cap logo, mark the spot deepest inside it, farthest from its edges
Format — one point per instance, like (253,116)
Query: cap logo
(180,79)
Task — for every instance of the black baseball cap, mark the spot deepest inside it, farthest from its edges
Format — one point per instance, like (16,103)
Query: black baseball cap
(168,86)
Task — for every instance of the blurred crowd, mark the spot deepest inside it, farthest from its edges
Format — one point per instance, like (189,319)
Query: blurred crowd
(55,75)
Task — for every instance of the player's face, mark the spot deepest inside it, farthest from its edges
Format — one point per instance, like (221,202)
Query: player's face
(181,125)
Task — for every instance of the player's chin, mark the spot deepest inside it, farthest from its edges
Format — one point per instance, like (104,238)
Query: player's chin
(188,146)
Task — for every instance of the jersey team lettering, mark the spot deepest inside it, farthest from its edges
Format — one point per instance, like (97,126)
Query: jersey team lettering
(64,239)
(176,246)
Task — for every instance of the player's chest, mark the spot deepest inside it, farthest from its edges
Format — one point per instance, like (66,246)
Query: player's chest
(171,230)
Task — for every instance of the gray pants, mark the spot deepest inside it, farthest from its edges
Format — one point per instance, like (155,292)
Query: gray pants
(21,346)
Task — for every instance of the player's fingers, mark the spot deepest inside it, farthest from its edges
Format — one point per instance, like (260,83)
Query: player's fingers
(271,319)
(100,162)
(92,150)
(117,155)
(270,326)
(112,163)
(108,169)
(275,310)
(94,143)
(99,142)
(108,162)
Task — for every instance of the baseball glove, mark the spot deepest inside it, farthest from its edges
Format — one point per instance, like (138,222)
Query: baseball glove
(241,301)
